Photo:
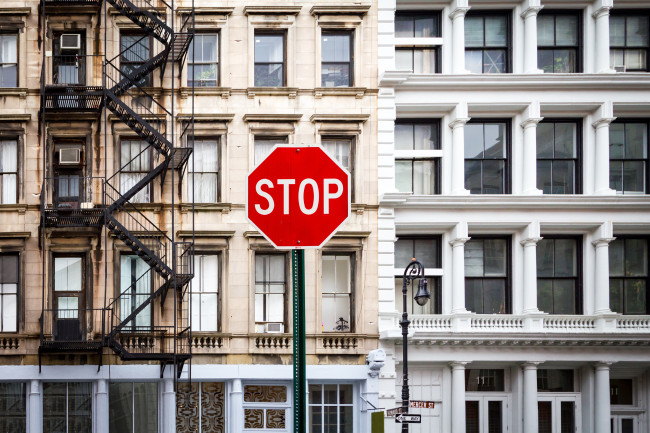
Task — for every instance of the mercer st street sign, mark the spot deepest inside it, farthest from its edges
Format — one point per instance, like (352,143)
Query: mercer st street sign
(298,197)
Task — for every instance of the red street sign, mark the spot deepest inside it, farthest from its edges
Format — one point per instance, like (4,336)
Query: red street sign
(419,404)
(298,197)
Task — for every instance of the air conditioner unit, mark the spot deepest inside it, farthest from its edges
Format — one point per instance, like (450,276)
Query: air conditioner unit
(70,156)
(619,68)
(70,42)
(276,328)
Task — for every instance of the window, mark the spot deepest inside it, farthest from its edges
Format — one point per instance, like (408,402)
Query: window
(13,407)
(621,392)
(555,380)
(628,275)
(67,407)
(201,407)
(205,293)
(487,275)
(484,380)
(341,149)
(485,412)
(629,40)
(203,67)
(487,43)
(487,154)
(337,289)
(135,288)
(427,251)
(331,408)
(270,291)
(8,171)
(558,162)
(68,66)
(417,156)
(133,407)
(9,293)
(559,282)
(559,41)
(337,66)
(265,407)
(203,170)
(135,51)
(264,146)
(422,58)
(270,58)
(135,163)
(8,60)
(556,405)
(628,157)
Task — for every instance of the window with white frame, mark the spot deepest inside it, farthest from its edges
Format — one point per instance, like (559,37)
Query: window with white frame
(264,145)
(13,407)
(67,407)
(201,407)
(133,407)
(270,292)
(203,170)
(135,164)
(8,60)
(417,156)
(426,249)
(342,149)
(337,293)
(331,408)
(265,408)
(417,41)
(203,63)
(485,401)
(557,401)
(8,171)
(205,293)
(9,293)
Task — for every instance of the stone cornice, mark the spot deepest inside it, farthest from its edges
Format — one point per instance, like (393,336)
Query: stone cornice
(360,118)
(206,233)
(354,9)
(15,117)
(217,117)
(272,10)
(272,117)
(205,10)
(16,11)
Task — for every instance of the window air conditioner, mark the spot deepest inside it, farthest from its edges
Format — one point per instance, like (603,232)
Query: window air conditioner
(70,42)
(69,156)
(277,328)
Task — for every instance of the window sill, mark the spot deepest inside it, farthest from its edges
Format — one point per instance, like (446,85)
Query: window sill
(291,92)
(357,92)
(207,207)
(14,91)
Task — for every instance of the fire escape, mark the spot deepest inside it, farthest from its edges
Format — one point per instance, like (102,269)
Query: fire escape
(162,268)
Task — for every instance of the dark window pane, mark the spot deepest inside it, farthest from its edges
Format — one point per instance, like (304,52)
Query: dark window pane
(634,176)
(474,258)
(473,31)
(616,295)
(495,417)
(473,180)
(425,27)
(555,380)
(566,257)
(474,140)
(485,379)
(472,422)
(617,30)
(635,296)
(494,61)
(495,257)
(564,297)
(493,177)
(494,296)
(426,251)
(544,176)
(636,140)
(545,60)
(13,407)
(637,31)
(545,139)
(617,140)
(403,252)
(545,258)
(496,31)
(636,257)
(335,75)
(545,295)
(474,295)
(545,30)
(567,417)
(616,175)
(404,26)
(545,416)
(621,391)
(627,425)
(563,177)
(565,140)
(564,61)
(566,30)
(269,75)
(616,258)
(495,140)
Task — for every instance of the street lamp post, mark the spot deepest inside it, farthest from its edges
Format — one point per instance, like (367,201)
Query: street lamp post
(413,271)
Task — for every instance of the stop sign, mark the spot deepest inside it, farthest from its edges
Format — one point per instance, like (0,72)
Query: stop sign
(298,197)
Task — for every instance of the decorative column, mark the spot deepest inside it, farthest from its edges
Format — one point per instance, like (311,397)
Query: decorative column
(530,274)
(459,118)
(529,184)
(530,397)
(601,279)
(101,411)
(457,16)
(236,406)
(458,397)
(602,411)
(601,15)
(458,239)
(169,406)
(530,36)
(604,116)
(35,407)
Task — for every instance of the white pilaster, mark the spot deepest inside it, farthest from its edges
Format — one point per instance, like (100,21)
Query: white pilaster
(459,118)
(458,10)
(531,9)
(604,116)
(168,406)
(101,407)
(35,407)
(530,397)
(531,237)
(458,397)
(458,239)
(601,280)
(601,15)
(601,398)
(236,404)
(529,174)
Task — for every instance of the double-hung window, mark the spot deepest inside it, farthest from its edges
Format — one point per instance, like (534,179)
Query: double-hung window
(417,41)
(270,59)
(8,171)
(8,292)
(8,60)
(205,293)
(487,42)
(628,275)
(337,290)
(67,407)
(629,40)
(201,407)
(487,275)
(203,66)
(558,157)
(628,156)
(13,407)
(559,41)
(133,407)
(270,292)
(135,164)
(487,154)
(342,149)
(425,249)
(203,169)
(135,51)
(331,408)
(135,288)
(337,65)
(264,145)
(559,279)
(417,156)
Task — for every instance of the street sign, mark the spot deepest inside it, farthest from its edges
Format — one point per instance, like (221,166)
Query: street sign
(298,196)
(406,418)
(419,404)
(394,411)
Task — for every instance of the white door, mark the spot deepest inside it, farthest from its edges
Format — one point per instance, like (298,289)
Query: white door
(558,413)
(625,424)
(486,414)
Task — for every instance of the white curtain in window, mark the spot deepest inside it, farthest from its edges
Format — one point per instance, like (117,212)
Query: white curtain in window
(128,180)
(9,49)
(205,288)
(8,170)
(204,164)
(8,304)
(336,288)
(130,300)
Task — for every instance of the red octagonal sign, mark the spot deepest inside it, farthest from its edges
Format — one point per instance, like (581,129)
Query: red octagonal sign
(298,197)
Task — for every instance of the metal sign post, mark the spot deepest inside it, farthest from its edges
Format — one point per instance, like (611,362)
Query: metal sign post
(299,376)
